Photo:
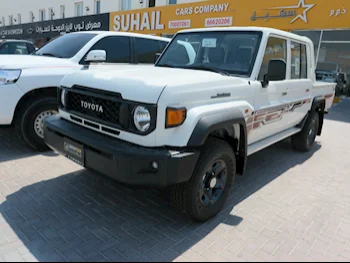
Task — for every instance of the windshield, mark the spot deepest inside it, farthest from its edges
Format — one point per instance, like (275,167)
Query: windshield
(229,52)
(66,46)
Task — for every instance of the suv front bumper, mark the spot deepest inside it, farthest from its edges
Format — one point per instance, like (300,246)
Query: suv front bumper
(122,161)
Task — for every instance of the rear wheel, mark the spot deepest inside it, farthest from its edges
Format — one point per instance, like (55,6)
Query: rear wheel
(30,123)
(304,140)
(203,197)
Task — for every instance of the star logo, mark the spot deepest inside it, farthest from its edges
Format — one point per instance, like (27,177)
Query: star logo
(300,5)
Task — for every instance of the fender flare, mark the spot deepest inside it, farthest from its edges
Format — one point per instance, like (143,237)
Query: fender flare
(319,105)
(223,120)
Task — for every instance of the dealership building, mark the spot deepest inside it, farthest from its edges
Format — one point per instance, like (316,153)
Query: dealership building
(327,23)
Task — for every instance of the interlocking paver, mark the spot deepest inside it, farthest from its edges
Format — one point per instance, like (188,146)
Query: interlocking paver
(289,206)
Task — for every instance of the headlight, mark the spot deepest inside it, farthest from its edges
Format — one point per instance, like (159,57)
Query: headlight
(9,76)
(142,118)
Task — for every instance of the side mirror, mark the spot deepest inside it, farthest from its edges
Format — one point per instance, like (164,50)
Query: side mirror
(277,70)
(96,56)
(157,57)
(265,81)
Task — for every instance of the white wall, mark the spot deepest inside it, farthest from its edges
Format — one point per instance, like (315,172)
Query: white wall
(24,7)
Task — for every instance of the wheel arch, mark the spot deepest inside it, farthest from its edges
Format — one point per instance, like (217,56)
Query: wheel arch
(38,93)
(319,105)
(229,126)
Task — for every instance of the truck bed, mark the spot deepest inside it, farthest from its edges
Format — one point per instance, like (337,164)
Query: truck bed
(324,89)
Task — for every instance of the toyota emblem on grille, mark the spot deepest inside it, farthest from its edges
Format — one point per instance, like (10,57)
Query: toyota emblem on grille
(91,106)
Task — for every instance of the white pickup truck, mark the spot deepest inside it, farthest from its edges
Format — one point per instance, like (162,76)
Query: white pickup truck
(28,83)
(191,120)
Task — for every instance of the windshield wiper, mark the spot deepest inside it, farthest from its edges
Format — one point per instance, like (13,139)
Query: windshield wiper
(51,55)
(210,69)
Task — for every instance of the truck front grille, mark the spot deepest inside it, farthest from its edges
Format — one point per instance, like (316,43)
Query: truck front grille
(107,109)
(94,107)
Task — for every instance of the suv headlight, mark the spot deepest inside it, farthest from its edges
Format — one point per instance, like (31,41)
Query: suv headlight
(9,76)
(142,118)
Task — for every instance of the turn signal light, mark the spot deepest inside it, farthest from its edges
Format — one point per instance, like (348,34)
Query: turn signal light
(175,117)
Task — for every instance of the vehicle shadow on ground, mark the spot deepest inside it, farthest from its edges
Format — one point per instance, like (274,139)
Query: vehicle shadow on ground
(13,149)
(87,217)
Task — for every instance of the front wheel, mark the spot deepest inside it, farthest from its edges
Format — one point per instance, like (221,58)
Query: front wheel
(30,123)
(203,197)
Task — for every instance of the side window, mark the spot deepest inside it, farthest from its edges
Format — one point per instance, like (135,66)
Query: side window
(30,48)
(117,49)
(146,50)
(162,45)
(4,49)
(303,62)
(296,61)
(19,49)
(299,61)
(276,49)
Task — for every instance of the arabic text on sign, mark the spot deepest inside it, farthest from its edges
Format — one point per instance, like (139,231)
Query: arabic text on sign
(338,12)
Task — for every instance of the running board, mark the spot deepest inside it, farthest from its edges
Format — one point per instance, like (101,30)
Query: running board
(260,145)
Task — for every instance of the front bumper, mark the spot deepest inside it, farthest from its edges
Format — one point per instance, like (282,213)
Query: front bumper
(10,95)
(122,161)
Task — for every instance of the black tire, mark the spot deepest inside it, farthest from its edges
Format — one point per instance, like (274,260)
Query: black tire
(25,122)
(304,140)
(186,197)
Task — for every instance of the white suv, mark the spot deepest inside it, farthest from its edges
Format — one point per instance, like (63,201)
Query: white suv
(28,83)
(191,121)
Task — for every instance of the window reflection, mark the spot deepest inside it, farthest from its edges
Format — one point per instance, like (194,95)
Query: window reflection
(313,35)
(333,63)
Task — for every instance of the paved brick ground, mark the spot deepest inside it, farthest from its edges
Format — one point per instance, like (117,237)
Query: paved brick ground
(288,207)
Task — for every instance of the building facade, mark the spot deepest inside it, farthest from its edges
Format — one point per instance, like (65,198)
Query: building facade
(24,11)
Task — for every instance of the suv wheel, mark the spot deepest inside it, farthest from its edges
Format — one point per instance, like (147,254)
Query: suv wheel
(203,197)
(29,125)
(304,140)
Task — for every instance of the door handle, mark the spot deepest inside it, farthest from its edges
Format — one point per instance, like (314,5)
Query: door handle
(284,93)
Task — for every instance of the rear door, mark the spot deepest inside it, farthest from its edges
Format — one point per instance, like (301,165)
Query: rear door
(270,101)
(299,87)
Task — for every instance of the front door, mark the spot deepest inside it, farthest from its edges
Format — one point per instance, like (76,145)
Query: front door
(270,101)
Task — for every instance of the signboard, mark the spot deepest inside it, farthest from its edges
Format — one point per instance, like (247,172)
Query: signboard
(285,15)
(170,19)
(54,28)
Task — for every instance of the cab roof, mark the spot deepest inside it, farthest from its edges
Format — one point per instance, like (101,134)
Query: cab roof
(264,30)
(14,40)
(118,33)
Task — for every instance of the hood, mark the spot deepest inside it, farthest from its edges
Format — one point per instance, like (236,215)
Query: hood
(31,61)
(142,83)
